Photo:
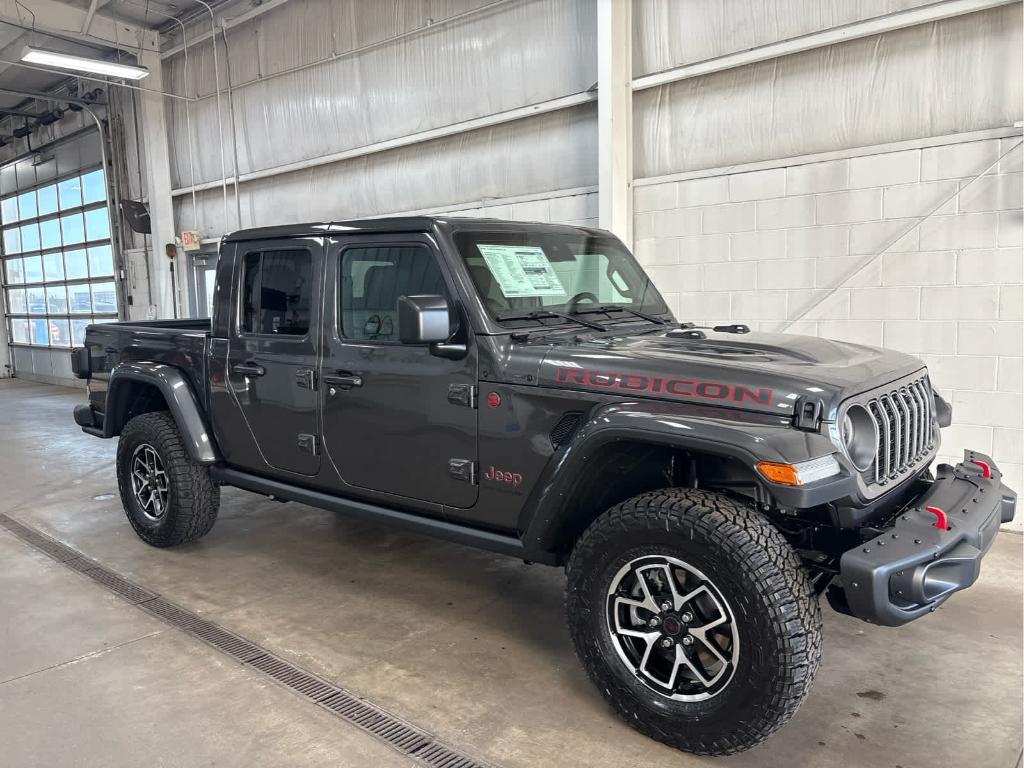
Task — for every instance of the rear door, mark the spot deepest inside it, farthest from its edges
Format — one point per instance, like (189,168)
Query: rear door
(397,418)
(272,350)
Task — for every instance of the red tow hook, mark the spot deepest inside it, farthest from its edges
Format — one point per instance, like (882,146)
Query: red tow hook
(986,470)
(943,522)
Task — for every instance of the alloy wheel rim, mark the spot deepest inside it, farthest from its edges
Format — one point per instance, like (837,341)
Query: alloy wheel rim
(150,485)
(672,628)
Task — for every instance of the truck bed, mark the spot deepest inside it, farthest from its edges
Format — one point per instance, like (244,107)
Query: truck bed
(182,343)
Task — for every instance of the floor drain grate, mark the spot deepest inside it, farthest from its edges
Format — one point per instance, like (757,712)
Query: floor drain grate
(79,564)
(439,756)
(384,726)
(215,635)
(123,587)
(43,543)
(306,684)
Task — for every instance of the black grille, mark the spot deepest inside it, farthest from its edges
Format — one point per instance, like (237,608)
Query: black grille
(565,428)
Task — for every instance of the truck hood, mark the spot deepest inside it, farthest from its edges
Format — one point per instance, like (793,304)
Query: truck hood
(765,372)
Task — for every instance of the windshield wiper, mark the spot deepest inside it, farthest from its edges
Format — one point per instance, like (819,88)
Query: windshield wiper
(540,314)
(606,308)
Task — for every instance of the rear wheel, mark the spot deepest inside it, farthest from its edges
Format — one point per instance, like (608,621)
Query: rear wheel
(168,498)
(694,618)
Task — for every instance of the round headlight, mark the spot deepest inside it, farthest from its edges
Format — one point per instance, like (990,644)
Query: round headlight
(847,431)
(859,436)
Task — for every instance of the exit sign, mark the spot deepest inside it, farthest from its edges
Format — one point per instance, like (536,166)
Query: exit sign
(191,240)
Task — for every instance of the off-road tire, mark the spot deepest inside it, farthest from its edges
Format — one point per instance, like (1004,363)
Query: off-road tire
(194,498)
(757,572)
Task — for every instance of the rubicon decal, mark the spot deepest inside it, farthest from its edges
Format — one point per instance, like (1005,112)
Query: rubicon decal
(657,385)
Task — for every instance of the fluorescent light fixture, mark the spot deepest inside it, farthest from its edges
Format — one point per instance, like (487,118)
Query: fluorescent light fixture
(83,64)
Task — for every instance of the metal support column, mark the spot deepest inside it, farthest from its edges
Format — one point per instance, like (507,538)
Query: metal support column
(158,192)
(615,117)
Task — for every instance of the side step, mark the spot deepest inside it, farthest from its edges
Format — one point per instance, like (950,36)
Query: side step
(442,529)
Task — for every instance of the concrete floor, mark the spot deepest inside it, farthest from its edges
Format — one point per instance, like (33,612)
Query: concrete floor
(470,646)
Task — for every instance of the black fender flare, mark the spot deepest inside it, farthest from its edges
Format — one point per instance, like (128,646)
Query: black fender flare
(746,437)
(181,402)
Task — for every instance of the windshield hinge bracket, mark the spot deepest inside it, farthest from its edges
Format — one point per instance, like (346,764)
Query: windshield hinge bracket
(807,413)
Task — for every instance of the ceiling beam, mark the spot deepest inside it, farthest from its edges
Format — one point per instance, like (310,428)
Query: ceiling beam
(926,14)
(94,6)
(49,97)
(55,18)
(228,23)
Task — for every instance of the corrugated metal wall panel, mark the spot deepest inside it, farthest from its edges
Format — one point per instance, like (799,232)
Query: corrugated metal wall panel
(671,33)
(519,53)
(544,153)
(923,81)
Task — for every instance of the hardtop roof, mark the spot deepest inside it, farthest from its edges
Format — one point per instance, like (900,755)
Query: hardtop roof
(395,224)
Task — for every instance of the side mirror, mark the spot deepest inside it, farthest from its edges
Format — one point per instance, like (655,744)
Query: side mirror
(423,319)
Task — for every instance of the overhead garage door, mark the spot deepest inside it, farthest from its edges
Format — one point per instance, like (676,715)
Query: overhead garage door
(58,261)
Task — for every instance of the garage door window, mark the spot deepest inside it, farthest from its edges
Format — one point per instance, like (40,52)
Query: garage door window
(58,264)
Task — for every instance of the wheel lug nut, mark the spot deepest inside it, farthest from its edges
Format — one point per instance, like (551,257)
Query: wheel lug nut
(666,642)
(654,622)
(687,640)
(687,617)
(666,606)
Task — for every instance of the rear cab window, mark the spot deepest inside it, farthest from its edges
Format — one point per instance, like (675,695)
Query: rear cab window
(277,293)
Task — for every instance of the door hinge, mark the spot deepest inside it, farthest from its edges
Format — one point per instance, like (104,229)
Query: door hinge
(462,394)
(305,378)
(463,469)
(308,443)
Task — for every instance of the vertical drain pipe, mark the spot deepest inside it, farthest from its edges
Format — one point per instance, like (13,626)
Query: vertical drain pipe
(220,118)
(113,197)
(234,133)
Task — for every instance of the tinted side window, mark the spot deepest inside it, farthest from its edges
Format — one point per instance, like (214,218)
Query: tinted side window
(277,292)
(373,279)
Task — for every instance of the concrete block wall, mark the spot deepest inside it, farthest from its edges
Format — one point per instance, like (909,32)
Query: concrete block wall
(910,249)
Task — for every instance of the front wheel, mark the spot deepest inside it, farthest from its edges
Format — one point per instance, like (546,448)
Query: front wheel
(168,498)
(694,618)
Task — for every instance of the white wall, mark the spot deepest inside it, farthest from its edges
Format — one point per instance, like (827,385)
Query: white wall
(761,246)
(870,191)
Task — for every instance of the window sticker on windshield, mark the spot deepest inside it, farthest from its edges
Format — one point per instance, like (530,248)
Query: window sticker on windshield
(521,270)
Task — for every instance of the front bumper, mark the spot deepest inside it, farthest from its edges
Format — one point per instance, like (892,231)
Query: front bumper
(915,565)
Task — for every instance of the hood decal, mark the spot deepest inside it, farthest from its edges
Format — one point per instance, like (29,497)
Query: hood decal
(665,386)
(766,373)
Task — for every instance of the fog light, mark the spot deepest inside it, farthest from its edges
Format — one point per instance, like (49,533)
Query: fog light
(801,473)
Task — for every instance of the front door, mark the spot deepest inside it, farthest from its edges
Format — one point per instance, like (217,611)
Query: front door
(393,420)
(272,357)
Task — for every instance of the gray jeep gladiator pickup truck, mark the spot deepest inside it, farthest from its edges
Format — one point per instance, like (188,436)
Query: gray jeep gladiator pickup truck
(525,388)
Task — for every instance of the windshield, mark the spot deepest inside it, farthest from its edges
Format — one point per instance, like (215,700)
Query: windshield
(519,273)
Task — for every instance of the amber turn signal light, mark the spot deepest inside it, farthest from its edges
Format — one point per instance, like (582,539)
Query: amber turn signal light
(783,474)
(801,473)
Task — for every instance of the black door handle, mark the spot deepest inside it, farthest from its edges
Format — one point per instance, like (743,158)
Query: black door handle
(249,369)
(343,380)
